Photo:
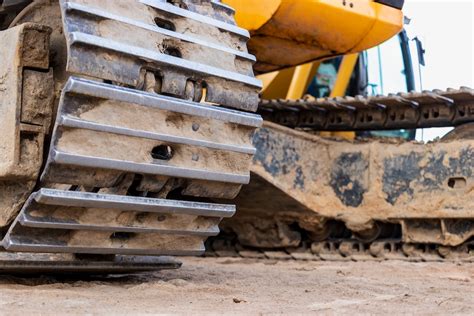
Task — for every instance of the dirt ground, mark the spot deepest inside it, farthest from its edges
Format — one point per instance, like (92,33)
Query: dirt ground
(245,286)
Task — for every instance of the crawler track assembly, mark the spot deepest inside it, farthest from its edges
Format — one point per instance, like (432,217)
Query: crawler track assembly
(372,199)
(123,120)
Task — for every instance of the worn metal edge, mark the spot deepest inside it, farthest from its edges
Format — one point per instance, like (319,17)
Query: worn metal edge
(111,92)
(130,203)
(28,221)
(68,121)
(72,6)
(163,6)
(62,158)
(159,58)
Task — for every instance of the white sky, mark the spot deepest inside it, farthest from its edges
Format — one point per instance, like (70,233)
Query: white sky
(446,28)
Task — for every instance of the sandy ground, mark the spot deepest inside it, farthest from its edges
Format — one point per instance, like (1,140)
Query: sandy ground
(244,286)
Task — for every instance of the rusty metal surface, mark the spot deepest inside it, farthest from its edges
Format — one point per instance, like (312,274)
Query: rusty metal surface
(58,221)
(93,149)
(46,263)
(359,185)
(348,250)
(412,110)
(87,137)
(371,175)
(26,90)
(142,127)
(275,211)
(185,63)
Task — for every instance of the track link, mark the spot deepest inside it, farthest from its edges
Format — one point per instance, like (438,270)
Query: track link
(346,250)
(413,110)
(420,236)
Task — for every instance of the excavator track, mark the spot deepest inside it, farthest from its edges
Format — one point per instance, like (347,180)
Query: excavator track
(138,132)
(346,250)
(301,177)
(437,108)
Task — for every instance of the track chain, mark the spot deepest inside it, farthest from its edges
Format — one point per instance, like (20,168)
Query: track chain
(412,110)
(348,250)
(147,128)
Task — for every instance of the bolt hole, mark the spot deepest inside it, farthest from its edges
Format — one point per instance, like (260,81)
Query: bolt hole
(457,183)
(162,152)
(173,51)
(141,217)
(167,25)
(122,236)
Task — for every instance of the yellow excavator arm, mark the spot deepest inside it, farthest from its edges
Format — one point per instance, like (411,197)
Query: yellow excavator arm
(287,33)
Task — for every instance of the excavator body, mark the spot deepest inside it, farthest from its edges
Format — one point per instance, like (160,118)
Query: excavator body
(288,33)
(128,125)
(352,195)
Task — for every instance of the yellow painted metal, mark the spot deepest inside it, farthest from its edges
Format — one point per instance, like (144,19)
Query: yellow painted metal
(251,14)
(340,87)
(344,26)
(277,83)
(344,75)
(345,135)
(291,83)
(301,33)
(387,21)
(288,33)
(301,80)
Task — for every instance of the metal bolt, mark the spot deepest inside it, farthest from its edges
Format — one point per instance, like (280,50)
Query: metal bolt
(196,127)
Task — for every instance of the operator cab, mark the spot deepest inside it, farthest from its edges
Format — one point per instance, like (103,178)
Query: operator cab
(392,67)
